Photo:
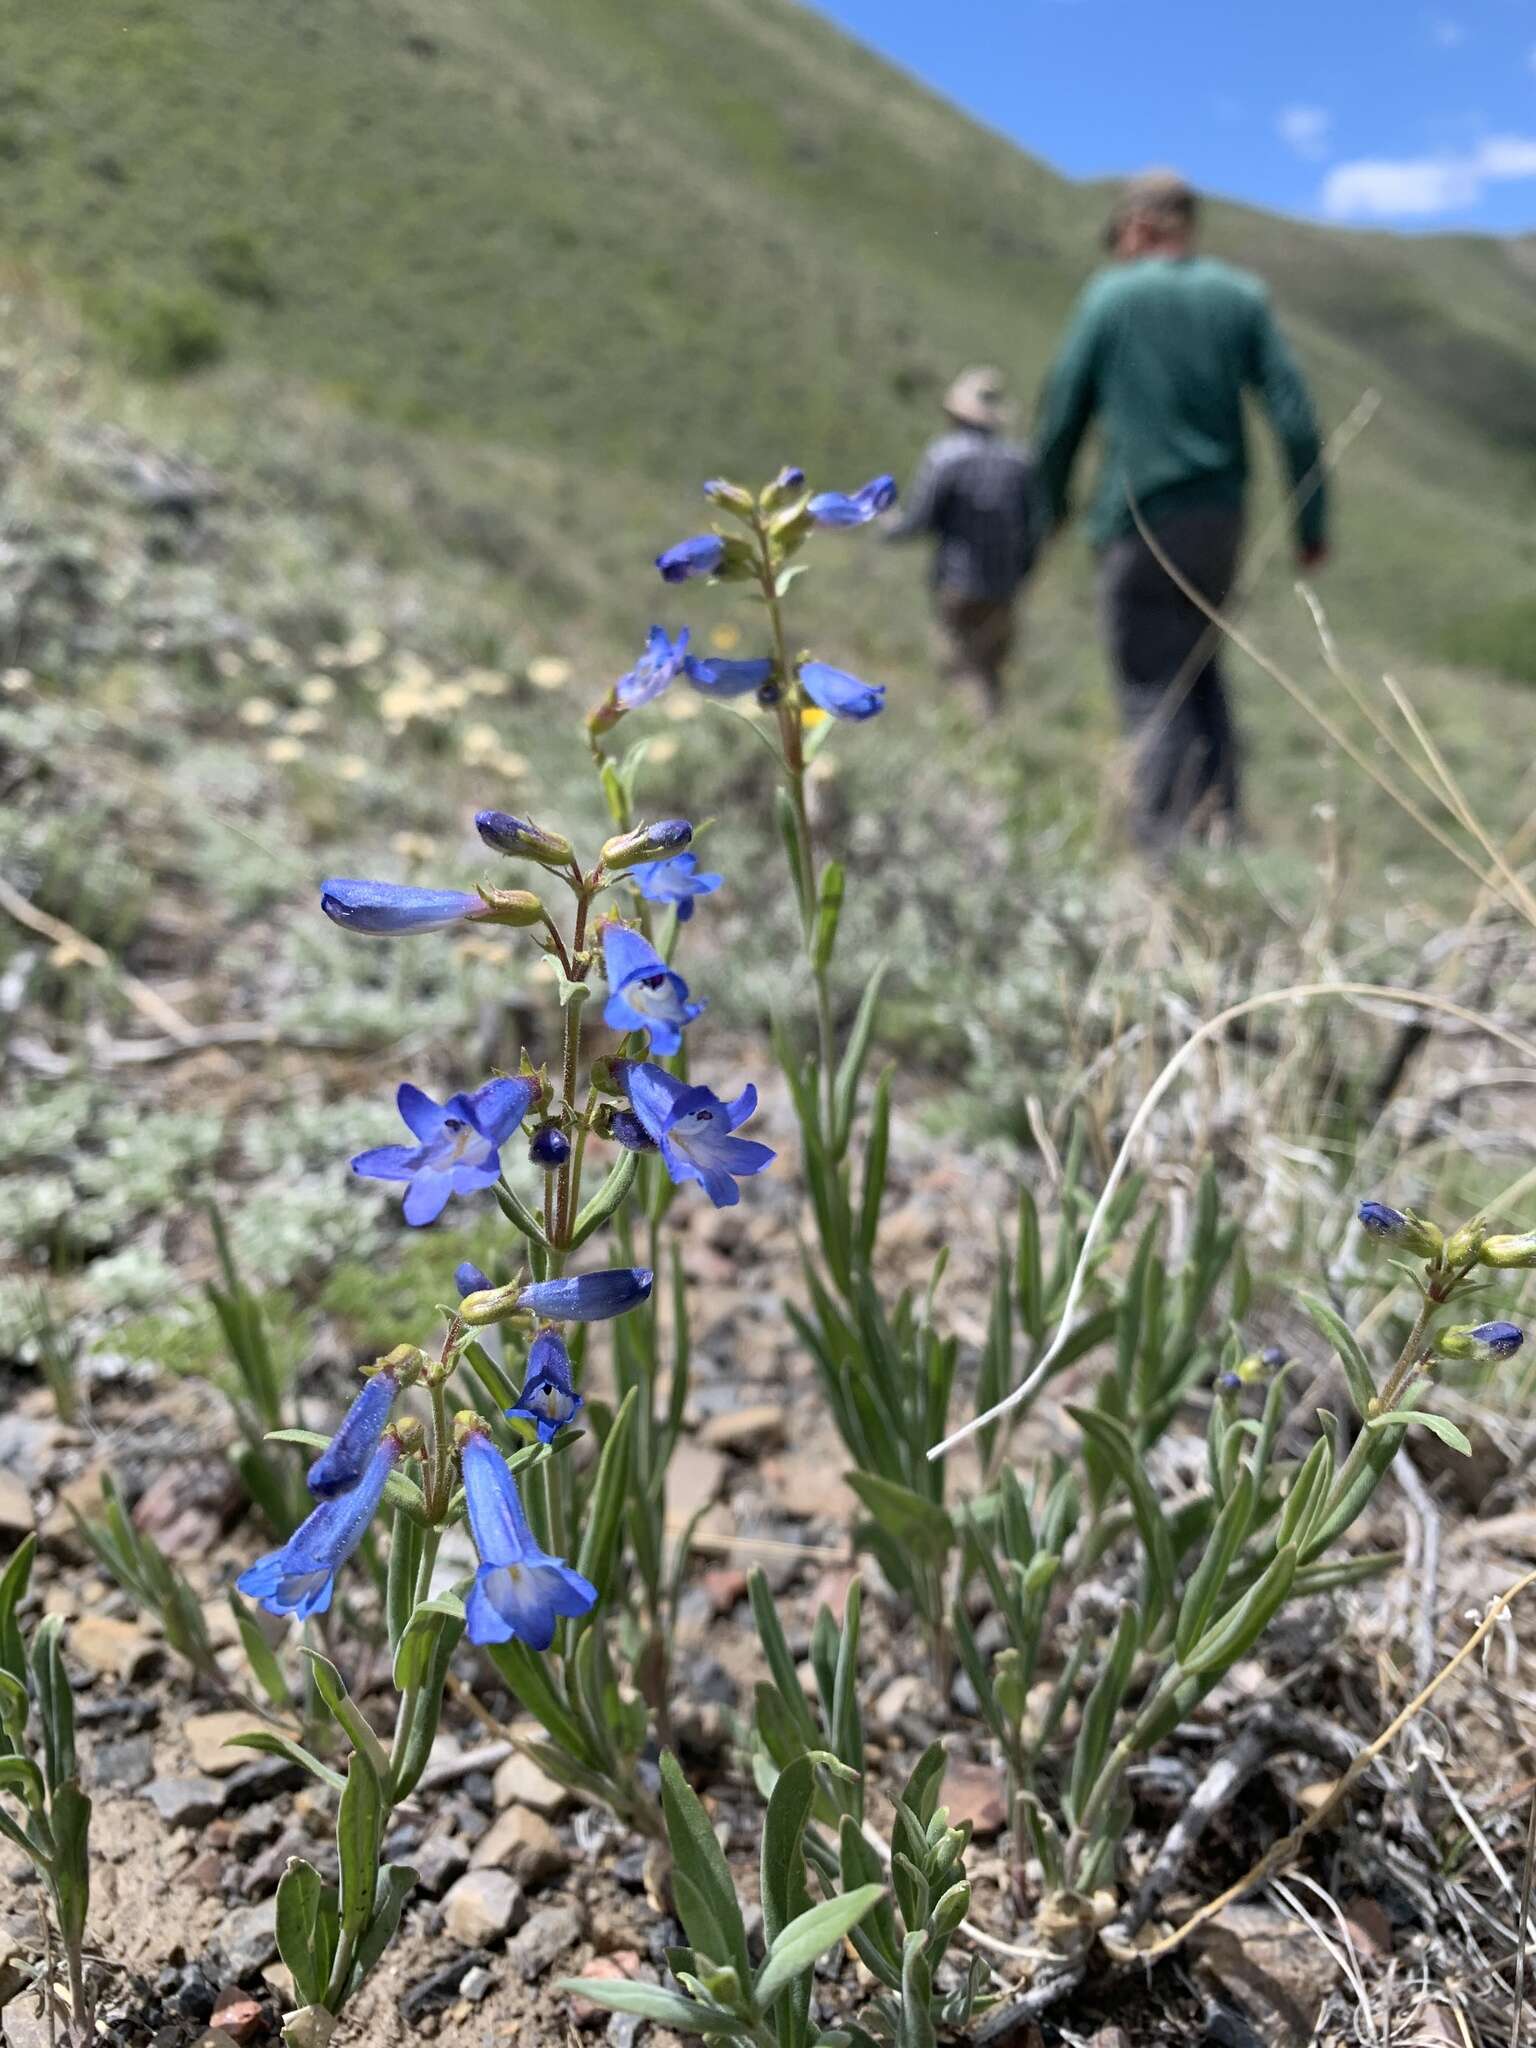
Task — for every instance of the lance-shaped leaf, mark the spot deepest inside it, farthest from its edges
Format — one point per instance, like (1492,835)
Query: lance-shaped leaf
(359,1828)
(913,1522)
(1235,1634)
(1102,1705)
(347,1714)
(13,1586)
(1208,1577)
(1437,1425)
(395,1884)
(302,1930)
(270,1743)
(55,1703)
(1357,1370)
(701,1879)
(650,2002)
(809,1936)
(69,1820)
(259,1653)
(609,1498)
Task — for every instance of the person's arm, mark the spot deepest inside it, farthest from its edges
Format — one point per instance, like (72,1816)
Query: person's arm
(1281,386)
(1068,401)
(919,504)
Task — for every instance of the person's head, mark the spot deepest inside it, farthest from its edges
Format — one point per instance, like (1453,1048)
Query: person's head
(1155,214)
(979,398)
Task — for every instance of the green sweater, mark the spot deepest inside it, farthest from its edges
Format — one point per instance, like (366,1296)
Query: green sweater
(1162,350)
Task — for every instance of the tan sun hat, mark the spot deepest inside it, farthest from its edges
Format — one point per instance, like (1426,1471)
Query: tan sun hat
(979,398)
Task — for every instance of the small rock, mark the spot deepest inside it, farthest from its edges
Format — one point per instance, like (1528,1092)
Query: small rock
(112,1649)
(207,1735)
(1271,1965)
(977,1793)
(246,1939)
(749,1432)
(189,1504)
(483,1906)
(624,2029)
(238,2014)
(185,1802)
(126,1710)
(725,1585)
(437,1991)
(26,2028)
(623,1963)
(523,1842)
(439,1860)
(548,1934)
(1370,1925)
(520,1782)
(629,1870)
(264,1777)
(16,1516)
(123,1766)
(896,1699)
(695,1476)
(476,1983)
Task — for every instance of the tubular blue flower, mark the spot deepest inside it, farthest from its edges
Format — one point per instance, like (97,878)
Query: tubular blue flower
(341,1464)
(1400,1227)
(587,1297)
(699,556)
(1486,1343)
(854,508)
(299,1578)
(657,669)
(520,1591)
(469,1279)
(714,676)
(839,693)
(675,881)
(519,838)
(644,993)
(693,1128)
(459,1149)
(548,1400)
(389,910)
(646,842)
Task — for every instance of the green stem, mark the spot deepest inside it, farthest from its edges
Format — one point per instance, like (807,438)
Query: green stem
(565,1211)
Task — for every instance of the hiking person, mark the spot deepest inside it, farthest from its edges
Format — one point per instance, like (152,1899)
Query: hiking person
(1161,348)
(976,494)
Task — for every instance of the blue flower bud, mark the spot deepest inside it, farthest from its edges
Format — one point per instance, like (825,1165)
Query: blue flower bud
(469,1279)
(1509,1252)
(840,694)
(647,842)
(515,836)
(1485,1343)
(700,556)
(549,1147)
(1272,1357)
(720,491)
(626,1129)
(587,1297)
(1401,1227)
(389,910)
(855,508)
(1228,1383)
(342,1463)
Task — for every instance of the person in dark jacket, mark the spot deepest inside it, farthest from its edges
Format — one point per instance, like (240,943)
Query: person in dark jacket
(1162,347)
(976,495)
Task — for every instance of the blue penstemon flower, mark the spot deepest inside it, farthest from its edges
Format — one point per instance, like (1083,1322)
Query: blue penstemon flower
(694,1130)
(700,555)
(658,667)
(342,1463)
(459,1149)
(838,693)
(644,994)
(520,1591)
(388,910)
(714,676)
(676,881)
(548,1400)
(587,1297)
(300,1578)
(854,508)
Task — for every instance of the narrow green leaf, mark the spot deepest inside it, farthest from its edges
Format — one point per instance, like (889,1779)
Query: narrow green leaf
(528,1677)
(713,1923)
(259,1653)
(348,1716)
(1099,1711)
(829,908)
(914,1522)
(650,2002)
(610,1491)
(270,1743)
(1208,1577)
(609,1197)
(359,1827)
(1236,1633)
(850,1069)
(300,1930)
(13,1586)
(55,1703)
(1357,1370)
(69,1821)
(1437,1425)
(396,1881)
(811,1935)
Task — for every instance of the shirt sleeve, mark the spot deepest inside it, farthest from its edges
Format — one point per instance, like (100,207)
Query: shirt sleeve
(919,502)
(1068,401)
(1279,383)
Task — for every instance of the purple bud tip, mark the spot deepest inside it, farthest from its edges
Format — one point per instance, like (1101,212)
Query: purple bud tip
(629,1132)
(1229,1383)
(549,1147)
(671,835)
(469,1280)
(1499,1340)
(1380,1220)
(1272,1357)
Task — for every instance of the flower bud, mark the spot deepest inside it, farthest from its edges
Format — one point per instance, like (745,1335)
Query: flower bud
(605,1077)
(1509,1251)
(721,492)
(787,484)
(1272,1357)
(1484,1343)
(649,842)
(503,833)
(702,555)
(512,906)
(488,1305)
(469,1279)
(1401,1227)
(605,716)
(1228,1383)
(549,1147)
(626,1129)
(1467,1243)
(408,1433)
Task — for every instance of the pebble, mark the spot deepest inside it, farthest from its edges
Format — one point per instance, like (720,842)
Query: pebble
(522,1842)
(977,1793)
(548,1934)
(437,1991)
(15,1506)
(476,1983)
(695,1475)
(112,1649)
(207,1734)
(483,1906)
(123,1766)
(439,1860)
(749,1432)
(624,2029)
(238,2015)
(521,1782)
(185,1802)
(245,1940)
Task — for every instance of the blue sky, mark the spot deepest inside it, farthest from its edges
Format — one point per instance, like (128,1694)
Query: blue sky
(1379,112)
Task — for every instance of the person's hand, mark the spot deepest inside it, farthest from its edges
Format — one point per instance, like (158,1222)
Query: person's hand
(1313,556)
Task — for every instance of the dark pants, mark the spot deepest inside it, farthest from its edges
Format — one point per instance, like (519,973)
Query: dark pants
(975,639)
(1162,650)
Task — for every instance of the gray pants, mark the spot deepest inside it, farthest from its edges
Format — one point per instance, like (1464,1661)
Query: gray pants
(1162,650)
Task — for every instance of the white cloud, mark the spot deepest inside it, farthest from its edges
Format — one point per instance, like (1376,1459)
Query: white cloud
(1385,188)
(1305,130)
(1446,31)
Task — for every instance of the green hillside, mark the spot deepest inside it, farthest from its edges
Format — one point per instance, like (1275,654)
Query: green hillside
(675,239)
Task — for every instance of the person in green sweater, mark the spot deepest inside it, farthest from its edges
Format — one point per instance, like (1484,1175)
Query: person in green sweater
(1162,347)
